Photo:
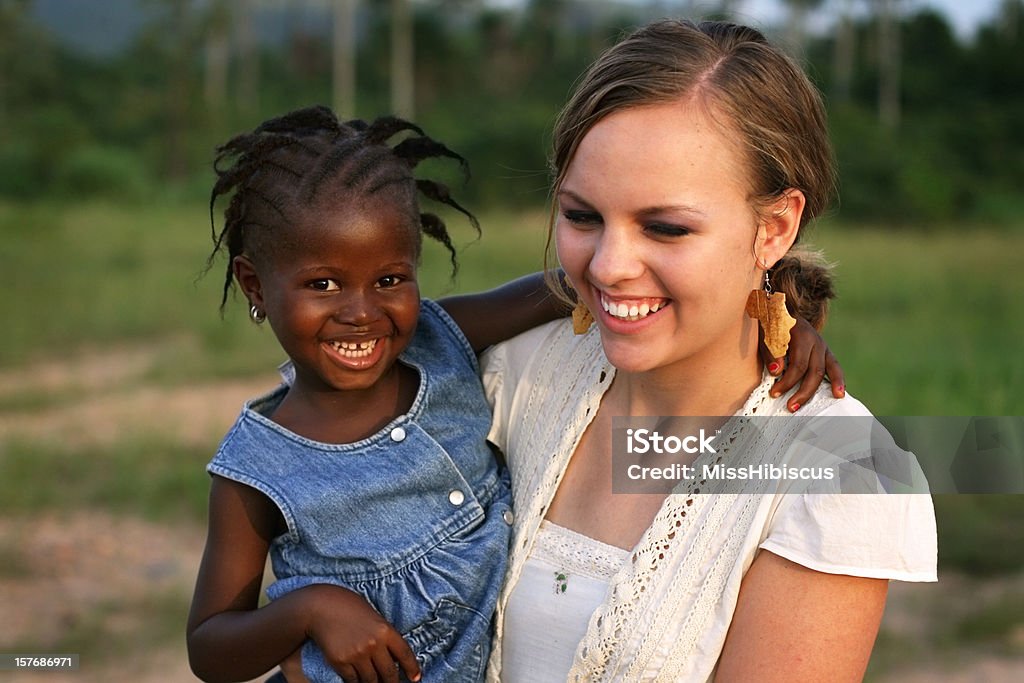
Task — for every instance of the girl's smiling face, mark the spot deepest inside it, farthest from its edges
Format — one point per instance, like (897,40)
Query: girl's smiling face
(341,294)
(657,235)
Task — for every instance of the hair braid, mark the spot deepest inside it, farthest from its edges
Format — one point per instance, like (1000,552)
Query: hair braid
(280,170)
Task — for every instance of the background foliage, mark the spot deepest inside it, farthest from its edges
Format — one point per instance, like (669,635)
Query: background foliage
(143,118)
(104,176)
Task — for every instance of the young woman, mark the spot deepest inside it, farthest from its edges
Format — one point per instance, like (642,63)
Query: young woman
(687,163)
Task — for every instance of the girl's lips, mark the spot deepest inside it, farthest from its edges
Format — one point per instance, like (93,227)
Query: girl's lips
(358,355)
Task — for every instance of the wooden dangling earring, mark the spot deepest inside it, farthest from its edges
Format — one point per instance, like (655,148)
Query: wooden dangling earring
(582,318)
(769,309)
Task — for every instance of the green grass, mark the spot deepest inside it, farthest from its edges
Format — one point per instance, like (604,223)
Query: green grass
(158,480)
(929,323)
(925,323)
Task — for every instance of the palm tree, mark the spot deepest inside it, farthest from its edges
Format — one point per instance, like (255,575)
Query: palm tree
(344,59)
(844,53)
(889,62)
(402,63)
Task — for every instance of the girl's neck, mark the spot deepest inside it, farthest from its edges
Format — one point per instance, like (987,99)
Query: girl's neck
(705,385)
(332,416)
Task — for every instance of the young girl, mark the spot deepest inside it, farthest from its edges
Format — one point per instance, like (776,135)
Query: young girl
(366,476)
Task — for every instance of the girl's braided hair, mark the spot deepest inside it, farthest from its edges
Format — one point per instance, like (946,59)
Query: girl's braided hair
(290,163)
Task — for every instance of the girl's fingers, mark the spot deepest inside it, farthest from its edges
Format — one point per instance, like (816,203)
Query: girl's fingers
(774,365)
(347,673)
(405,658)
(796,363)
(387,668)
(835,375)
(810,380)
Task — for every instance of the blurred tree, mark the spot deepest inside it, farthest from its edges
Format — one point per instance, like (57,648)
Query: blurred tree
(1010,12)
(796,26)
(889,62)
(844,52)
(248,56)
(178,87)
(344,60)
(216,55)
(403,67)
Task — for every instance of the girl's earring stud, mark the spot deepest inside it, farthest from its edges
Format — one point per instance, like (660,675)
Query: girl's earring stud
(256,314)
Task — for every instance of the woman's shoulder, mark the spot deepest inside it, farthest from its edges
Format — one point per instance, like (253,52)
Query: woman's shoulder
(551,342)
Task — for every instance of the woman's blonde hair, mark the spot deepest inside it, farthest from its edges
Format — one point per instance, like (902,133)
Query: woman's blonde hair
(753,88)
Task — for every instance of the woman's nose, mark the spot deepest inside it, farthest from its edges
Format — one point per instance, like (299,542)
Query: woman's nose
(616,258)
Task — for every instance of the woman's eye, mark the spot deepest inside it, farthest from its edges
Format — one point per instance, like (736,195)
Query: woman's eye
(578,217)
(324,285)
(666,230)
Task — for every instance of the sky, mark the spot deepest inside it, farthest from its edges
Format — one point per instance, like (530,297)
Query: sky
(963,15)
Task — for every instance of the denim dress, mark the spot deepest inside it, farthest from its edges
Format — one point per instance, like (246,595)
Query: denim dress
(416,517)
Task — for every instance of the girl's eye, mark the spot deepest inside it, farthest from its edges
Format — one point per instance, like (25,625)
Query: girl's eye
(324,285)
(666,230)
(389,281)
(578,217)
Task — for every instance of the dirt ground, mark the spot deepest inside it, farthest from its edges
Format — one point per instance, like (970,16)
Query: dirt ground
(119,586)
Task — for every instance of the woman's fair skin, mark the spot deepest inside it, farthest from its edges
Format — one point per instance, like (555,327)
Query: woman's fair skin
(654,211)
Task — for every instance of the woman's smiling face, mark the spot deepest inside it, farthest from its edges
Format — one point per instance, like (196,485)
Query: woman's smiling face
(657,235)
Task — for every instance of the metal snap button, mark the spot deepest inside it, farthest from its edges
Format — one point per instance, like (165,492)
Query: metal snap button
(508,517)
(456,497)
(398,434)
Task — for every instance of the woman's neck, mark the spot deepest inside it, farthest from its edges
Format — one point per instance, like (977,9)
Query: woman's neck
(709,384)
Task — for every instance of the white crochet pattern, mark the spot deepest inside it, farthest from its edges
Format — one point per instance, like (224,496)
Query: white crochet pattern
(575,554)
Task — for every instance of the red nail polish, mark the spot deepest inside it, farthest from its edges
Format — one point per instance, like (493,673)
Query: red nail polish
(773,367)
(841,388)
(794,407)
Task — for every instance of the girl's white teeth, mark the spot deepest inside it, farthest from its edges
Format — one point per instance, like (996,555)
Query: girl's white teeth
(631,311)
(354,349)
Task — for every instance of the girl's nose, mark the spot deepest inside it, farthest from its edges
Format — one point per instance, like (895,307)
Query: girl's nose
(616,258)
(357,309)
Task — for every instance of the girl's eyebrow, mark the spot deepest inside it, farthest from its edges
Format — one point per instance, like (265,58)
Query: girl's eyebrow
(646,212)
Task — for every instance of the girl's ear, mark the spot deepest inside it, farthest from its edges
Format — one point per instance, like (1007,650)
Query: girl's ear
(779,229)
(248,280)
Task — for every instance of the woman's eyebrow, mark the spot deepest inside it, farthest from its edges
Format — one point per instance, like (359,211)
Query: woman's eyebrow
(573,196)
(646,212)
(673,209)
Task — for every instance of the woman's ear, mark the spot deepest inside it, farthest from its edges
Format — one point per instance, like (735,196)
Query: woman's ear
(779,229)
(248,280)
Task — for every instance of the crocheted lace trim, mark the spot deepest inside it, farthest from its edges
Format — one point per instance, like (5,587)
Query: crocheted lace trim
(674,550)
(576,554)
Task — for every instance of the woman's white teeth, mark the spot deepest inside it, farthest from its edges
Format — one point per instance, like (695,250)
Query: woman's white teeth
(631,311)
(354,349)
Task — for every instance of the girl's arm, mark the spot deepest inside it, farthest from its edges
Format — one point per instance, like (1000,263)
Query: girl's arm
(487,318)
(230,638)
(795,624)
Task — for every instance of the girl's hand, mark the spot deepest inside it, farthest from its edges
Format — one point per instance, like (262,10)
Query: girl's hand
(808,361)
(356,640)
